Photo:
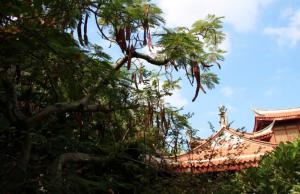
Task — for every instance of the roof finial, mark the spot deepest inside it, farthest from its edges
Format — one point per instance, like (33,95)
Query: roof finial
(223,118)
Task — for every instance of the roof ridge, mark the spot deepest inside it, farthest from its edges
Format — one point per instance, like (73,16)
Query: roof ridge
(264,111)
(232,131)
(201,145)
(208,140)
(251,140)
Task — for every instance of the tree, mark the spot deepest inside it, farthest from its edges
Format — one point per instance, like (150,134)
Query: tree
(66,105)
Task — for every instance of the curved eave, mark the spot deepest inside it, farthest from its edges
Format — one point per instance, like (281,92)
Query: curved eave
(278,114)
(277,118)
(285,117)
(264,112)
(251,140)
(264,132)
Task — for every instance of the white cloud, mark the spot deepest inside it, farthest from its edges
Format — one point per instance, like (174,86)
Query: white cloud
(287,12)
(227,91)
(177,99)
(289,34)
(242,14)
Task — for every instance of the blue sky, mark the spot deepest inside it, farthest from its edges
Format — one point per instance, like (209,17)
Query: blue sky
(261,68)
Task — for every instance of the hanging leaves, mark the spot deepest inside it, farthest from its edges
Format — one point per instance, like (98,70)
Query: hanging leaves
(128,32)
(86,41)
(205,65)
(141,72)
(192,73)
(174,65)
(134,79)
(79,33)
(130,51)
(196,73)
(120,38)
(150,46)
(146,23)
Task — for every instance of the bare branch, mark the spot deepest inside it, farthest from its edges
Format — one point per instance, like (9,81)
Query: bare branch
(120,62)
(71,107)
(57,108)
(151,60)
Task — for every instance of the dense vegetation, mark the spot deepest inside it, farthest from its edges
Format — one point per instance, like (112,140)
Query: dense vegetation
(278,172)
(75,120)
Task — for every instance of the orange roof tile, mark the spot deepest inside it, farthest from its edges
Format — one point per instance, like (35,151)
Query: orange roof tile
(232,150)
(226,150)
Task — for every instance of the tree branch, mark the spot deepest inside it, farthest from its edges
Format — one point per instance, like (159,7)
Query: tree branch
(70,107)
(120,62)
(99,28)
(15,115)
(74,157)
(151,60)
(57,108)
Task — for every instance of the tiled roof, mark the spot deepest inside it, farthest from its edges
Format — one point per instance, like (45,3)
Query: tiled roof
(279,113)
(232,150)
(226,150)
(217,166)
(272,115)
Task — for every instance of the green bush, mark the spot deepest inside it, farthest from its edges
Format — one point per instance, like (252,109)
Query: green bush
(278,172)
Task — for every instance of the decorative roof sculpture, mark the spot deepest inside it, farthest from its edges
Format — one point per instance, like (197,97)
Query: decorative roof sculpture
(223,118)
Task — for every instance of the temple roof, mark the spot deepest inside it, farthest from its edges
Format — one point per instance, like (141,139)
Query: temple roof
(226,150)
(290,112)
(262,116)
(229,149)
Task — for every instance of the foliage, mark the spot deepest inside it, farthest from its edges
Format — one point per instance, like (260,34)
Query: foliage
(73,119)
(278,172)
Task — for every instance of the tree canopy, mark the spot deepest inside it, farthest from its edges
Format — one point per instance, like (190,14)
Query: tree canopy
(72,118)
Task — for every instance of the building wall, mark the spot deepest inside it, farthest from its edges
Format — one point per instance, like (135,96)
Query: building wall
(286,131)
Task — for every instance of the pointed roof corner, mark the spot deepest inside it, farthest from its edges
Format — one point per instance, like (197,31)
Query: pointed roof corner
(257,111)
